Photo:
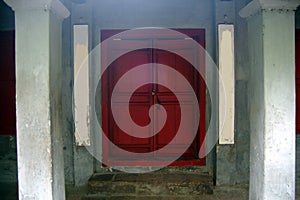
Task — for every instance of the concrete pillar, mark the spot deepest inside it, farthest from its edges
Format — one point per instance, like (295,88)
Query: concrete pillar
(271,37)
(38,89)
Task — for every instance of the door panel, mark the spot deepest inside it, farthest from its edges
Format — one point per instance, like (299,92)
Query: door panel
(124,64)
(140,100)
(169,100)
(7,83)
(7,106)
(139,117)
(176,57)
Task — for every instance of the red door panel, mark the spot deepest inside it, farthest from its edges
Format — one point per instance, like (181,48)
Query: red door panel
(179,89)
(139,101)
(119,137)
(7,107)
(7,83)
(170,129)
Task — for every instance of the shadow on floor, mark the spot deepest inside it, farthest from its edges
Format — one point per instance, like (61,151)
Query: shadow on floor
(8,191)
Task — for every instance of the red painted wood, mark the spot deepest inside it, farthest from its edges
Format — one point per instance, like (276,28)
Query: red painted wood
(169,101)
(7,83)
(297,56)
(142,99)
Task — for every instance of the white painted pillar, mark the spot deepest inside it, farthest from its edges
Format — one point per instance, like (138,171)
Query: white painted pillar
(271,30)
(38,88)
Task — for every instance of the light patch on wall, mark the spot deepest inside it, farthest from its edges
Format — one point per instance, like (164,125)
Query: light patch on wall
(81,85)
(226,70)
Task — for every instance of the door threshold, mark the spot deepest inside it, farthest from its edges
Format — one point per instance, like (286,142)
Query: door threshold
(153,163)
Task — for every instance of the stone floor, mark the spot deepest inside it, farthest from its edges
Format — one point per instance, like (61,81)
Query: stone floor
(9,192)
(220,193)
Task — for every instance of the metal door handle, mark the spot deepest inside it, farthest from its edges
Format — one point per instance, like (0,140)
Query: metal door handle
(153,92)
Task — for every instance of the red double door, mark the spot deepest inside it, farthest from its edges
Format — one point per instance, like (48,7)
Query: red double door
(142,99)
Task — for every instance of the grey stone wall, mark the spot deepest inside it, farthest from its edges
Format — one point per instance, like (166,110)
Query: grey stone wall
(233,160)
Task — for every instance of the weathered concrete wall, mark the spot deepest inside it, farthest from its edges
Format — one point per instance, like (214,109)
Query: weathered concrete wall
(168,14)
(297,136)
(8,162)
(256,96)
(28,92)
(56,106)
(83,161)
(38,89)
(67,99)
(233,160)
(272,104)
(298,18)
(242,122)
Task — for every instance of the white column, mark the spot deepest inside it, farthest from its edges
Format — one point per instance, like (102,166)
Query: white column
(38,88)
(272,98)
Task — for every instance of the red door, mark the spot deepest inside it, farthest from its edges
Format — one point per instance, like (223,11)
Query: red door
(7,83)
(297,55)
(141,109)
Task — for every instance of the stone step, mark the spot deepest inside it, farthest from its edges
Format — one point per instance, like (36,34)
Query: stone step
(149,184)
(168,197)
